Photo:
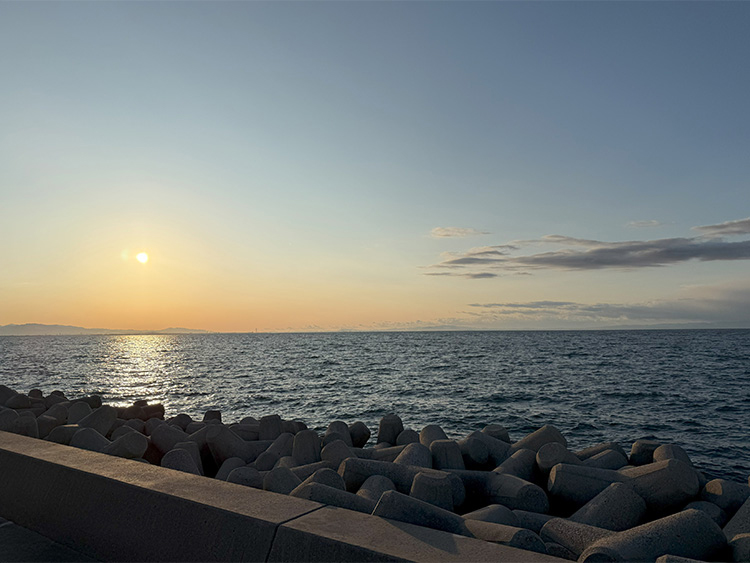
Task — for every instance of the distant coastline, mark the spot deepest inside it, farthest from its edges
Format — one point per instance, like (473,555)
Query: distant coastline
(37,329)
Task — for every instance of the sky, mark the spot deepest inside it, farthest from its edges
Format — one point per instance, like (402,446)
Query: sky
(302,166)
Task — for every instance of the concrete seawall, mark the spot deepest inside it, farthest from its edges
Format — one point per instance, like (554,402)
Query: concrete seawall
(114,509)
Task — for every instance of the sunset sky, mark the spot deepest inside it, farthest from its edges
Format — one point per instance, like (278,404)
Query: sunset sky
(375,165)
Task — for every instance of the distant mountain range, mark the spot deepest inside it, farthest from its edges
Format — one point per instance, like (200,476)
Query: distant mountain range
(34,329)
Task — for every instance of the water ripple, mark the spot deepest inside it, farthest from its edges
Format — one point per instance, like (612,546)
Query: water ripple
(687,387)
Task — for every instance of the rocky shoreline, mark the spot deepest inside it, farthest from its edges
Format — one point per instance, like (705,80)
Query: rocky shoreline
(597,504)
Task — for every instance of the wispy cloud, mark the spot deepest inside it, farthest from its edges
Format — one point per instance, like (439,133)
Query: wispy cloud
(728,228)
(469,275)
(728,304)
(587,254)
(446,232)
(647,224)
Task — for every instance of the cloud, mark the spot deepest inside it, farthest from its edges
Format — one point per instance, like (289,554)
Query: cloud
(470,275)
(650,223)
(738,227)
(445,232)
(727,304)
(588,254)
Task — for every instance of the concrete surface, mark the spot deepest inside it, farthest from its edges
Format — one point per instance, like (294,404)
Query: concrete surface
(22,545)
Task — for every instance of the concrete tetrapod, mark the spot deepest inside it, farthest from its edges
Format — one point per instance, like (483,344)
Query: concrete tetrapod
(304,471)
(389,428)
(497,450)
(165,437)
(551,454)
(690,533)
(121,431)
(89,439)
(740,546)
(180,460)
(727,495)
(224,444)
(642,451)
(130,445)
(675,559)
(608,459)
(573,536)
(283,445)
(578,484)
(415,454)
(228,466)
(269,427)
(78,411)
(446,454)
(538,438)
(246,476)
(496,513)
(497,431)
(665,485)
(716,513)
(326,477)
(359,433)
(488,487)
(60,412)
(522,463)
(556,550)
(46,423)
(515,493)
(355,471)
(386,453)
(332,496)
(532,520)
(404,508)
(434,488)
(100,419)
(194,450)
(248,432)
(26,425)
(335,452)
(62,434)
(474,451)
(8,418)
(430,433)
(281,480)
(586,453)
(739,523)
(333,437)
(407,436)
(505,535)
(616,508)
(671,451)
(374,486)
(266,461)
(306,447)
(340,427)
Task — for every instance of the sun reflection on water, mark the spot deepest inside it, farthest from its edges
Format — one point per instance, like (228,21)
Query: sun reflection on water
(141,367)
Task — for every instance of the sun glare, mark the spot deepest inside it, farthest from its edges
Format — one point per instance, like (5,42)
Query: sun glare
(142,257)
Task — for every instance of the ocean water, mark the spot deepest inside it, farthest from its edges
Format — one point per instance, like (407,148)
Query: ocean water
(690,387)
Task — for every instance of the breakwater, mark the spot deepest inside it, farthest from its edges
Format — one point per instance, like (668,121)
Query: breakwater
(601,503)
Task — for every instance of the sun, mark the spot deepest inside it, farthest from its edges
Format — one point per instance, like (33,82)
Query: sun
(142,257)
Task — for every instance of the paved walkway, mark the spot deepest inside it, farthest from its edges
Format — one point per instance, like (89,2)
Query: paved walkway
(20,544)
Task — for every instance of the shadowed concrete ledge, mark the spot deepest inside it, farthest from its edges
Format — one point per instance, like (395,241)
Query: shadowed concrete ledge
(113,509)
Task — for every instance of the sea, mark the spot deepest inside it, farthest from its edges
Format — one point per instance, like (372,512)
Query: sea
(685,387)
